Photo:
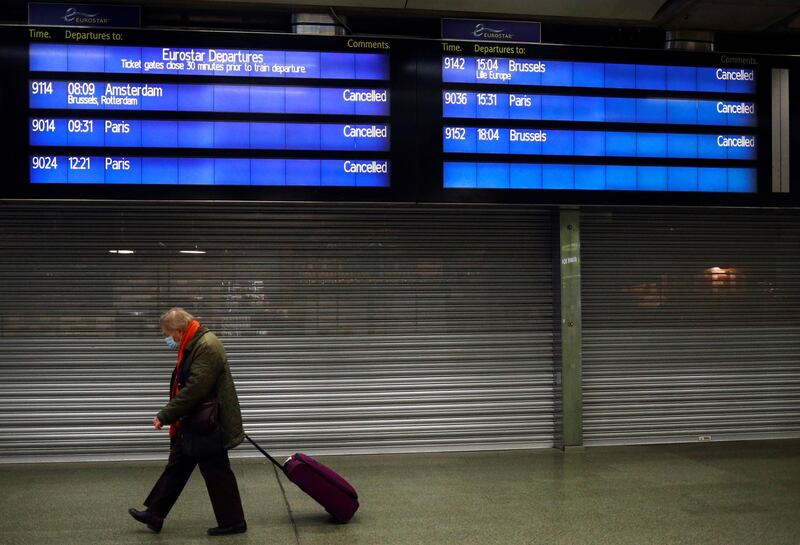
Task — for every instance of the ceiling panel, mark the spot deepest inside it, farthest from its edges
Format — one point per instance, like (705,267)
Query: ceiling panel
(733,15)
(640,10)
(234,4)
(621,10)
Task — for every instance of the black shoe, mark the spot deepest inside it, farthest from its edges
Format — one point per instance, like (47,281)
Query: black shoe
(146,517)
(227,530)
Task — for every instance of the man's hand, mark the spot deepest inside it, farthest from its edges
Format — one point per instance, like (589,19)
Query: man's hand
(157,424)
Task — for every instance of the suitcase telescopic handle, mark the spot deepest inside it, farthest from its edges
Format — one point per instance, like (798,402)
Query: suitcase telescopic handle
(265,453)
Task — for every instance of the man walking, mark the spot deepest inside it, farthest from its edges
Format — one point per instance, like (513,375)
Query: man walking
(201,374)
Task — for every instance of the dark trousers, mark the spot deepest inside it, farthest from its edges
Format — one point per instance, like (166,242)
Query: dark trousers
(220,482)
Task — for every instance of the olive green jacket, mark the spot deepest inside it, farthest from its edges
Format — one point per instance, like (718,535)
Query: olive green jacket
(205,366)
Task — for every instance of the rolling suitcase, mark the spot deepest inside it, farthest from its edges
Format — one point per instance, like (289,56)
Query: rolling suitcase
(320,482)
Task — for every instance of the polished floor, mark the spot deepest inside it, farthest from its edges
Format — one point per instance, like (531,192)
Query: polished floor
(700,494)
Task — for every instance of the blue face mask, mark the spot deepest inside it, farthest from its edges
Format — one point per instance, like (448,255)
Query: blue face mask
(172,343)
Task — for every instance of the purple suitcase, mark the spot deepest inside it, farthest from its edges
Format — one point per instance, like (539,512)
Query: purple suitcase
(320,482)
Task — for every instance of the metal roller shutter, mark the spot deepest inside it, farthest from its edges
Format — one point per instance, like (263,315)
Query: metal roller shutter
(691,325)
(349,329)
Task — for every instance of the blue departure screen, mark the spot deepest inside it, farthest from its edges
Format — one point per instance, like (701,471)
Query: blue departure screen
(684,128)
(182,61)
(531,72)
(533,141)
(85,169)
(664,111)
(337,131)
(187,97)
(134,133)
(599,177)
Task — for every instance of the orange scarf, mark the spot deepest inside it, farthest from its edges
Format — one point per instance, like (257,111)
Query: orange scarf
(188,334)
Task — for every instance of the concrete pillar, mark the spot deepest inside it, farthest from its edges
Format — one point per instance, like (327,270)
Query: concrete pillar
(569,372)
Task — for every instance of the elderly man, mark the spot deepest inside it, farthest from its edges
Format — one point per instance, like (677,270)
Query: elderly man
(200,375)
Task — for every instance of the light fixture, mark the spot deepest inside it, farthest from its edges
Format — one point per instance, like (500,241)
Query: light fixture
(192,252)
(122,252)
(721,277)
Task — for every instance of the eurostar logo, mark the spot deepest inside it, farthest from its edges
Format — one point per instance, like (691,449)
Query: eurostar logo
(482,30)
(71,14)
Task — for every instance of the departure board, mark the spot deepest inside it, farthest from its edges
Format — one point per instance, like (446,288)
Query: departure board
(526,120)
(170,115)
(186,114)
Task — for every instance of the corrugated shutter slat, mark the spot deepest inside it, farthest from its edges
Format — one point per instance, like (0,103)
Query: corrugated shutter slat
(349,328)
(691,325)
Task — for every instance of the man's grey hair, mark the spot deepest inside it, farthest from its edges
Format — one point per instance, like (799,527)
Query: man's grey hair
(175,318)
